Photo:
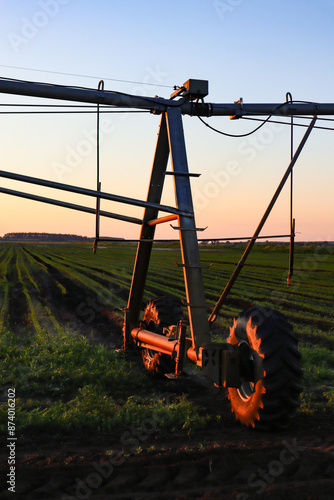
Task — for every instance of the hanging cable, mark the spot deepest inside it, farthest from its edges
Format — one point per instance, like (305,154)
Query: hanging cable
(286,123)
(70,112)
(98,183)
(292,220)
(70,106)
(236,135)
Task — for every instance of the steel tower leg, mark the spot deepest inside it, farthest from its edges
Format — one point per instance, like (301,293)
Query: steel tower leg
(147,232)
(194,286)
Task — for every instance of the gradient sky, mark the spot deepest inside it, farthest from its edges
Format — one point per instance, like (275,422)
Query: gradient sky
(255,49)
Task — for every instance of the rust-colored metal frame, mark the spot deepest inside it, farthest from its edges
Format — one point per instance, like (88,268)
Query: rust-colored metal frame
(220,361)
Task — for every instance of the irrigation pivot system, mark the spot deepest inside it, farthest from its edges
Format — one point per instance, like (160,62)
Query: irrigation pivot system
(260,363)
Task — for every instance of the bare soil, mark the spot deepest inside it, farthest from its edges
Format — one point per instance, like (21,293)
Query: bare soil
(225,461)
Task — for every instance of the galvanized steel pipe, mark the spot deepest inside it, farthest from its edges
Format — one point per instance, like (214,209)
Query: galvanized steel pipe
(158,104)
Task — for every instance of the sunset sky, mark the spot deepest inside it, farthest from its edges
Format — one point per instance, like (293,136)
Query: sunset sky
(255,49)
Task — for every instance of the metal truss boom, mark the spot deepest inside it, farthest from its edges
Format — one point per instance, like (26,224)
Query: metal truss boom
(158,104)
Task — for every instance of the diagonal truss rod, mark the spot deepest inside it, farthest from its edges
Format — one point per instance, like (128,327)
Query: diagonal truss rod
(250,245)
(64,204)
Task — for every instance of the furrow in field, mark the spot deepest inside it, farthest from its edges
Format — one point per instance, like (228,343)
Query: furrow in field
(17,317)
(254,288)
(6,256)
(79,284)
(75,275)
(79,307)
(44,319)
(29,288)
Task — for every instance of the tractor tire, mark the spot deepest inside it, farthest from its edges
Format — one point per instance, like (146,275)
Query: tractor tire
(159,314)
(267,399)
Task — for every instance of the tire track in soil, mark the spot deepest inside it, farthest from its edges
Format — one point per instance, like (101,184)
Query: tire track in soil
(79,308)
(16,320)
(237,464)
(85,268)
(221,462)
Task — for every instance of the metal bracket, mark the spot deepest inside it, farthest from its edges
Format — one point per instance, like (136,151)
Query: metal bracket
(189,229)
(181,342)
(192,267)
(175,376)
(161,220)
(239,115)
(127,339)
(197,306)
(185,174)
(221,364)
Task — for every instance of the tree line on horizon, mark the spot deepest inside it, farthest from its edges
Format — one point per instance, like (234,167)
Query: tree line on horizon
(51,237)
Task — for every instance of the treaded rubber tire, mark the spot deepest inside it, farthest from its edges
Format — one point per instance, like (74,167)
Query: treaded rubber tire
(160,313)
(272,401)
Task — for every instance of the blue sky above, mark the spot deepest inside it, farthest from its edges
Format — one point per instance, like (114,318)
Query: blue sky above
(254,49)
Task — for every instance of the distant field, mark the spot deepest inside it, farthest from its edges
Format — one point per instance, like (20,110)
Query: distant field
(38,282)
(58,301)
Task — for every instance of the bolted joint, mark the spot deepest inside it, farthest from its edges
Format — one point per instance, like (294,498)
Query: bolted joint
(221,363)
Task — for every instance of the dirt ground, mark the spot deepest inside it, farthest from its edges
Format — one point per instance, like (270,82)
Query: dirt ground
(226,461)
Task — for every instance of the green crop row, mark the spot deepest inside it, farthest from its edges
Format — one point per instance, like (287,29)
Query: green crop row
(65,379)
(64,383)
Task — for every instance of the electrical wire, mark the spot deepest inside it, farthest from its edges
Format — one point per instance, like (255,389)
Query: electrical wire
(71,112)
(292,220)
(301,117)
(146,99)
(237,135)
(287,123)
(85,76)
(207,240)
(93,106)
(67,108)
(263,122)
(51,105)
(116,109)
(318,118)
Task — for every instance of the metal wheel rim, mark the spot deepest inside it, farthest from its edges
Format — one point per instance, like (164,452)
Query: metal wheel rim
(247,387)
(150,353)
(246,390)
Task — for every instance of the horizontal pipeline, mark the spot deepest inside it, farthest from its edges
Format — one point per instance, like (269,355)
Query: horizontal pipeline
(78,94)
(257,109)
(65,204)
(158,104)
(162,344)
(90,192)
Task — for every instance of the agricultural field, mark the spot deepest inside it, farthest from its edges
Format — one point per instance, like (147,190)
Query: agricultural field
(79,401)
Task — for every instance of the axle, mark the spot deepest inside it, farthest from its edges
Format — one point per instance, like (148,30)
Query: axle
(222,363)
